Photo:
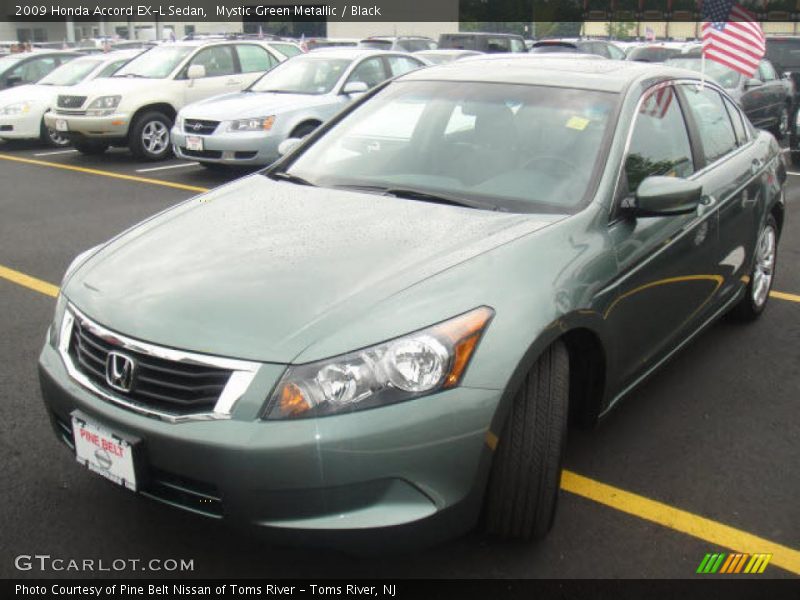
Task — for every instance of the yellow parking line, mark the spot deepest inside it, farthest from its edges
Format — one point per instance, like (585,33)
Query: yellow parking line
(161,182)
(37,285)
(668,516)
(785,296)
(662,514)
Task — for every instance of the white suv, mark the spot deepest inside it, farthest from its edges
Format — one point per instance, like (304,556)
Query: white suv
(136,107)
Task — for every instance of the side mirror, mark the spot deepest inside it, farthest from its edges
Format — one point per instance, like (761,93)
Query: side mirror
(753,83)
(196,72)
(288,145)
(659,196)
(355,87)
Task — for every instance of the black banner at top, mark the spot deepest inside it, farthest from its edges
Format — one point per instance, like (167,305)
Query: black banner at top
(523,11)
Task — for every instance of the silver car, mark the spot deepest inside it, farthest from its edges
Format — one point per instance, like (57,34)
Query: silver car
(289,101)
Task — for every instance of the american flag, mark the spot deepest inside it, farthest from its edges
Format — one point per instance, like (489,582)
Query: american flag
(657,103)
(732,37)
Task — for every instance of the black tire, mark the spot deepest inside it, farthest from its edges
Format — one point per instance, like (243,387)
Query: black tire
(90,148)
(303,130)
(752,305)
(146,139)
(523,487)
(51,137)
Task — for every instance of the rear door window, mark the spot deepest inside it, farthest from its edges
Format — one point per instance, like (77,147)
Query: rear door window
(709,112)
(254,58)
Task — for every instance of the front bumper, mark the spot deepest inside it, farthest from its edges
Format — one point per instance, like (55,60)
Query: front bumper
(111,127)
(377,468)
(21,126)
(245,148)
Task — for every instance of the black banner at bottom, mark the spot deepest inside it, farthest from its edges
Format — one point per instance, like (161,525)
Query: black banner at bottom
(484,589)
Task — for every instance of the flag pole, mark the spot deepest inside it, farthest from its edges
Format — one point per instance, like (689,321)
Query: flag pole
(703,69)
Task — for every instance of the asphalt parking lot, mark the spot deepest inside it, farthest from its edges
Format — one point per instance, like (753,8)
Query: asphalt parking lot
(702,458)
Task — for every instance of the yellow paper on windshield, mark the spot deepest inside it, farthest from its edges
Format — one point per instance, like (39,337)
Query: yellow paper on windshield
(578,123)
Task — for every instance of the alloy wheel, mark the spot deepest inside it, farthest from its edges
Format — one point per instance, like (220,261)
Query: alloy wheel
(765,266)
(155,137)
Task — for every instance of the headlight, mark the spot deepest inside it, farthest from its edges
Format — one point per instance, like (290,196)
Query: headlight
(257,124)
(17,108)
(55,326)
(102,106)
(407,367)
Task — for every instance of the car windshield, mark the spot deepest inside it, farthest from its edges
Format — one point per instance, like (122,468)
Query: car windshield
(9,61)
(303,75)
(652,54)
(287,49)
(156,63)
(727,78)
(512,147)
(73,72)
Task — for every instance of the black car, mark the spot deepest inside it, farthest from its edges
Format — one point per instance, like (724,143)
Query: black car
(483,42)
(599,47)
(766,98)
(30,67)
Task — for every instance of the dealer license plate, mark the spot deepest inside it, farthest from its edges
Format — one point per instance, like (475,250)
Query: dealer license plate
(61,125)
(194,142)
(104,452)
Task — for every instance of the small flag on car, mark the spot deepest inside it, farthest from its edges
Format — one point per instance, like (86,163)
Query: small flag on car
(732,36)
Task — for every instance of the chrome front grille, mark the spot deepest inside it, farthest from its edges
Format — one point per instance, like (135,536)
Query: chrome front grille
(165,383)
(199,126)
(70,101)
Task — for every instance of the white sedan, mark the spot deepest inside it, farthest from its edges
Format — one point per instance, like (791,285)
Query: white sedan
(22,108)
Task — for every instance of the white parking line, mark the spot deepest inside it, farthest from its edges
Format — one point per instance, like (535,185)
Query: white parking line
(54,152)
(179,166)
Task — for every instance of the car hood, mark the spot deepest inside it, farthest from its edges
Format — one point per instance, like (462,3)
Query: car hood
(261,270)
(251,104)
(41,94)
(113,86)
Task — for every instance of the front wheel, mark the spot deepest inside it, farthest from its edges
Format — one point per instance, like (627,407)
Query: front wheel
(523,487)
(51,137)
(149,136)
(762,275)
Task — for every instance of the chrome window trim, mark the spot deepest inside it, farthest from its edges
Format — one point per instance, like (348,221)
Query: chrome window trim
(242,375)
(631,127)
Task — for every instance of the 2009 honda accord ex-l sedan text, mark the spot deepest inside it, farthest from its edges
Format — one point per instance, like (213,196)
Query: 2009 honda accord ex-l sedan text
(391,326)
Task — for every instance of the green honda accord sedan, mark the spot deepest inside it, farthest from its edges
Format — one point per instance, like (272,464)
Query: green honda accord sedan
(391,327)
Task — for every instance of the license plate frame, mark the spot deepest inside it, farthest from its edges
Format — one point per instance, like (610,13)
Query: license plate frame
(105,452)
(194,143)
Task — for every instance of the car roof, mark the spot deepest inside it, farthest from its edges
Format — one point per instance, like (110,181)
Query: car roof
(583,73)
(348,52)
(481,33)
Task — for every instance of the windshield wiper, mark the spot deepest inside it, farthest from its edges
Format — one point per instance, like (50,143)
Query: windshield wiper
(131,75)
(284,176)
(436,198)
(420,195)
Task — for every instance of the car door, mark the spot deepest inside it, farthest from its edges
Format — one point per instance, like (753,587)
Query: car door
(667,273)
(253,60)
(773,90)
(371,71)
(755,100)
(220,73)
(733,177)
